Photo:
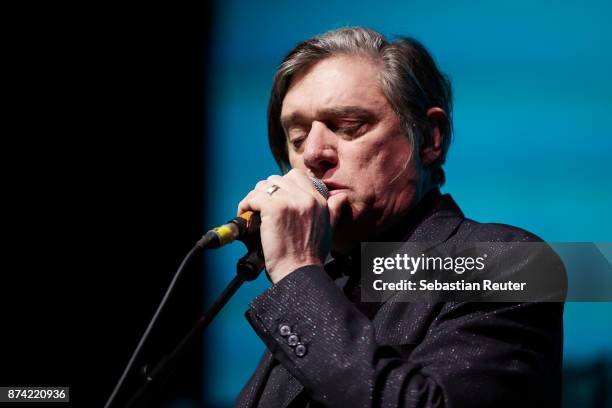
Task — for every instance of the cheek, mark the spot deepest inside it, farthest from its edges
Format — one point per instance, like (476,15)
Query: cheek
(385,171)
(381,163)
(296,161)
(394,158)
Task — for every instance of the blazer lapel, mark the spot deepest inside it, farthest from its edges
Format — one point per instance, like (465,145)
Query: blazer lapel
(437,226)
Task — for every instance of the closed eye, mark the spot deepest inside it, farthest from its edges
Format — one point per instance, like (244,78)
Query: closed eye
(296,138)
(346,128)
(349,129)
(297,143)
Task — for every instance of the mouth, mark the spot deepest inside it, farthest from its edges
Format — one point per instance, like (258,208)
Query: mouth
(333,187)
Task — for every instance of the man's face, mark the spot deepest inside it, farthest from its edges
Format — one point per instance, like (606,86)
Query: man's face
(341,128)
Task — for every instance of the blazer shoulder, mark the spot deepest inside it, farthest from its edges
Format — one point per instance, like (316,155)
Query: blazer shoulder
(474,231)
(536,262)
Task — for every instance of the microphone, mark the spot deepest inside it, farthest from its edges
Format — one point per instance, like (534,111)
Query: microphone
(245,225)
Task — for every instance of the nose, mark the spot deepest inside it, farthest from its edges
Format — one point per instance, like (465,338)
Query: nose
(320,150)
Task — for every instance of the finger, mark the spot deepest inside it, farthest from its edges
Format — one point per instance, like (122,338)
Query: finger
(255,201)
(265,186)
(284,184)
(336,204)
(262,185)
(293,194)
(301,181)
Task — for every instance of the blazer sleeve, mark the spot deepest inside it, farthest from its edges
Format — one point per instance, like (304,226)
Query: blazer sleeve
(472,355)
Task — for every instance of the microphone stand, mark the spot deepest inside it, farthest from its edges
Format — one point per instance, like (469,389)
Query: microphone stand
(248,268)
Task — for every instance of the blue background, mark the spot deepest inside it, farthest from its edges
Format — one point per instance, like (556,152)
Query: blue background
(532,143)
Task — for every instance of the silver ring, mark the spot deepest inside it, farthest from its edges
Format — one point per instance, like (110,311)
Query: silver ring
(270,190)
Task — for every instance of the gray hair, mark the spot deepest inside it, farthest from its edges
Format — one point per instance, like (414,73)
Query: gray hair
(409,79)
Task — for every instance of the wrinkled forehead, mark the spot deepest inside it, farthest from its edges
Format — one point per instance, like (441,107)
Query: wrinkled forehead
(335,82)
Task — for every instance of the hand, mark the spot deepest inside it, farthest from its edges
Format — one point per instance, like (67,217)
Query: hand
(295,224)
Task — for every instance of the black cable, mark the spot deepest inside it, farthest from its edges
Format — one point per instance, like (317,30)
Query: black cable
(155,380)
(248,268)
(202,243)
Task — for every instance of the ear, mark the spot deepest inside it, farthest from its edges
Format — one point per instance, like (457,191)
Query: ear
(432,142)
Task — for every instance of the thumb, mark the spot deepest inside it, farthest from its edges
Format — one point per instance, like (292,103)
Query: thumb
(336,204)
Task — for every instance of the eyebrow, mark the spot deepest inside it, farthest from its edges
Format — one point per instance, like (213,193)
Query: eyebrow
(329,113)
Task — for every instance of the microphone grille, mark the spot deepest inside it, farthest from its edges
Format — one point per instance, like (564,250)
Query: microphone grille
(320,187)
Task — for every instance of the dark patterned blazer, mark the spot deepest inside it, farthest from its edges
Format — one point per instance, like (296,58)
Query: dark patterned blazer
(325,348)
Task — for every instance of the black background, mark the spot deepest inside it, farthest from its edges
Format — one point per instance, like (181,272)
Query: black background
(103,136)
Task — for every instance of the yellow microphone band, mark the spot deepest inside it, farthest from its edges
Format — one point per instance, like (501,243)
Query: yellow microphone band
(225,234)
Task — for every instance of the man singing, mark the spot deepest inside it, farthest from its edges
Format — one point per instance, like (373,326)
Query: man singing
(372,119)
